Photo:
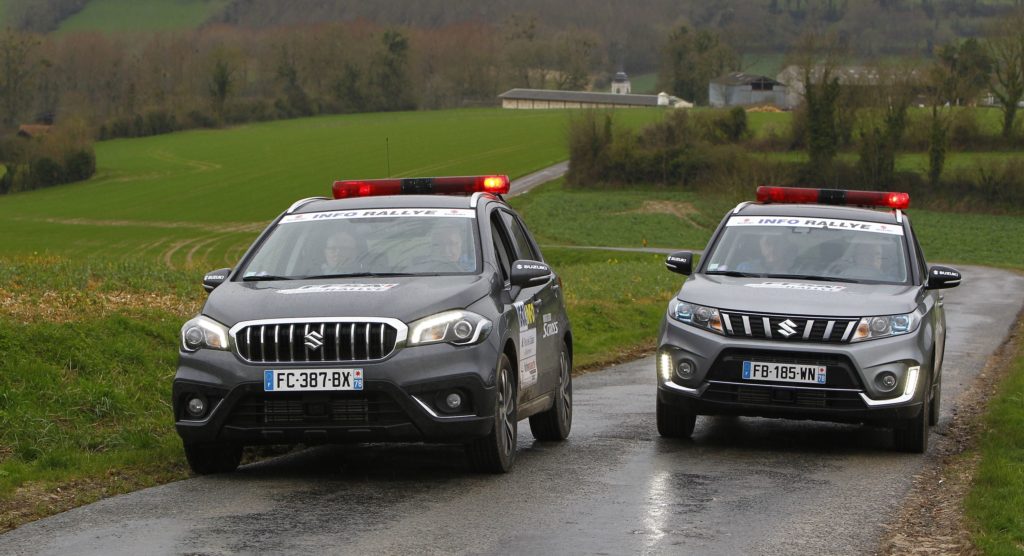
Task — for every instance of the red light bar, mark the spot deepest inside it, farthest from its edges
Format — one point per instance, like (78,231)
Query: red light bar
(888,199)
(455,185)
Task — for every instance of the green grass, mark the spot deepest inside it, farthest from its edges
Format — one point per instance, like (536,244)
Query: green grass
(164,197)
(996,499)
(910,162)
(134,16)
(768,65)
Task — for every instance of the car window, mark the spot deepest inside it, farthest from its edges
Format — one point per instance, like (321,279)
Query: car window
(368,241)
(823,248)
(523,247)
(501,246)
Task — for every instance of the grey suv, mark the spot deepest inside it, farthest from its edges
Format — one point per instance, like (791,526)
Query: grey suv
(805,306)
(380,316)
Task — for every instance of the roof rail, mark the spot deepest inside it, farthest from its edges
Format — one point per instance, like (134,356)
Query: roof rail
(475,199)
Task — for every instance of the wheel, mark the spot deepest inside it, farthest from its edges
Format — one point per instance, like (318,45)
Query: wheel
(674,422)
(496,452)
(555,423)
(936,405)
(209,458)
(912,435)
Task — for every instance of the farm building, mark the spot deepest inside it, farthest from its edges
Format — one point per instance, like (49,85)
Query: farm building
(546,99)
(848,76)
(742,89)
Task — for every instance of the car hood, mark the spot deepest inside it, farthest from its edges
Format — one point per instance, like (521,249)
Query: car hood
(405,298)
(798,297)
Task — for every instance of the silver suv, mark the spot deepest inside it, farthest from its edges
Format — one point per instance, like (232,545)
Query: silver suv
(806,305)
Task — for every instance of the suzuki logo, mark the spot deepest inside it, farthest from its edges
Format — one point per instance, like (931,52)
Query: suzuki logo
(314,340)
(786,328)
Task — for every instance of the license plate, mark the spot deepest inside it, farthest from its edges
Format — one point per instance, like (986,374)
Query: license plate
(784,372)
(312,380)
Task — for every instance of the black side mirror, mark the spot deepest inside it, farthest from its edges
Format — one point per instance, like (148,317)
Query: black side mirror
(680,262)
(527,273)
(215,278)
(942,277)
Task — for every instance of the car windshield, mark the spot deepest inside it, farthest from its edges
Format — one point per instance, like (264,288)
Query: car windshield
(810,248)
(367,243)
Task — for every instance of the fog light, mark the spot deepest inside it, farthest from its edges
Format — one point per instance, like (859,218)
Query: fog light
(886,381)
(453,401)
(196,407)
(685,369)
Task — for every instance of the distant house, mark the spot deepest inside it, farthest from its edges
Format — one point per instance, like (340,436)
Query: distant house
(743,89)
(538,99)
(29,131)
(620,84)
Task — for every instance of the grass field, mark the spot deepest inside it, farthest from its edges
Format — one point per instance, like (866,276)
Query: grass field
(995,502)
(644,84)
(135,16)
(201,195)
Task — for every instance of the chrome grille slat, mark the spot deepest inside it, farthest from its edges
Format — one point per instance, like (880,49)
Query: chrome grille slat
(286,342)
(828,329)
(368,327)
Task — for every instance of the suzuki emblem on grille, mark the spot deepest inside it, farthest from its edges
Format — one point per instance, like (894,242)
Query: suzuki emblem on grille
(314,340)
(786,328)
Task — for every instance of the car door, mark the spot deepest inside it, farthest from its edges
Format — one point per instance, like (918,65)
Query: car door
(547,307)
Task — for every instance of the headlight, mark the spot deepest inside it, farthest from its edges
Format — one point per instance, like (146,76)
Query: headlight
(455,327)
(870,328)
(697,315)
(204,333)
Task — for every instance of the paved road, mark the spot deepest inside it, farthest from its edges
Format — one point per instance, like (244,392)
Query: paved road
(742,485)
(529,181)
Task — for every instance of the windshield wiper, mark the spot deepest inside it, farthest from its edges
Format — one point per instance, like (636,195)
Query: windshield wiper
(735,273)
(358,275)
(268,277)
(812,277)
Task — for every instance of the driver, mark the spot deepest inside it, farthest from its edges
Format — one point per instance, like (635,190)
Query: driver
(449,247)
(340,252)
(771,256)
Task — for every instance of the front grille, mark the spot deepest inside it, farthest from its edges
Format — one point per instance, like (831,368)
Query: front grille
(784,328)
(783,396)
(316,342)
(317,408)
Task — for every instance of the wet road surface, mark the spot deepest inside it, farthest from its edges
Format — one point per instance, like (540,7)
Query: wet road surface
(741,485)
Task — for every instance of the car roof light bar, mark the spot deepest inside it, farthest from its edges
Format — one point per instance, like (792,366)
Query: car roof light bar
(451,185)
(852,197)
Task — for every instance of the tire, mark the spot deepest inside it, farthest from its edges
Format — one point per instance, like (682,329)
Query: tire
(210,458)
(912,435)
(496,452)
(674,422)
(554,424)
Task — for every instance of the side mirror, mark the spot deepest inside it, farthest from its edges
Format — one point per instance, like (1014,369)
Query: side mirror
(215,278)
(527,273)
(680,262)
(942,277)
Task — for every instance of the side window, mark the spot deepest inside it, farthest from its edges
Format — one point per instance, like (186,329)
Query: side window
(524,250)
(501,247)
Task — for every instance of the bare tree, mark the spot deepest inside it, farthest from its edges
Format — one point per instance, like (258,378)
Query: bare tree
(1006,46)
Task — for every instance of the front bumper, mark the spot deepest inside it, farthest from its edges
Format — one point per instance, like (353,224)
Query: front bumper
(851,394)
(400,400)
